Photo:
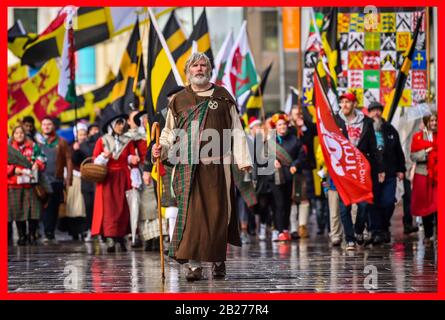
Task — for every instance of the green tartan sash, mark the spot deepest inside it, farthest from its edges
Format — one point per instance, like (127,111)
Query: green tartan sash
(281,153)
(245,188)
(183,176)
(15,157)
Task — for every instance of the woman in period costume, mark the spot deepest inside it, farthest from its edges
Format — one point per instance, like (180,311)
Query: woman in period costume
(111,217)
(424,152)
(75,205)
(23,202)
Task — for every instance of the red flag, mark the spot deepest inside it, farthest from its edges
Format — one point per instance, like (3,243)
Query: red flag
(347,166)
(50,104)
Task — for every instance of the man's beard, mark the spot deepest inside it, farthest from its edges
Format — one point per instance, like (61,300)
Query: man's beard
(199,80)
(377,124)
(52,132)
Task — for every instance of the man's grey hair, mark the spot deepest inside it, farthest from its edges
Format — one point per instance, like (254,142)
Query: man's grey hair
(195,57)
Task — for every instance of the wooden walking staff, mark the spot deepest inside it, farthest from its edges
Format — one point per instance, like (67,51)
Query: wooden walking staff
(155,131)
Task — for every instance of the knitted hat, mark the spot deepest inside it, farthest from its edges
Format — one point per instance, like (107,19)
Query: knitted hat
(253,121)
(375,105)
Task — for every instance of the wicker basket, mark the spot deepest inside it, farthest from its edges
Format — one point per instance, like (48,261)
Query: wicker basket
(92,172)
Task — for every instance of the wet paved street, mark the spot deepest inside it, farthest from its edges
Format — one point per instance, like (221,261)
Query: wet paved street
(309,265)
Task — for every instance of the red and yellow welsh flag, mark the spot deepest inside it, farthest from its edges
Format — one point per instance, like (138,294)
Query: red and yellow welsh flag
(37,97)
(17,74)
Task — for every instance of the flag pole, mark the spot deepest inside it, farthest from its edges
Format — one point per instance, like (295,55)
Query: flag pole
(300,59)
(400,82)
(75,118)
(435,52)
(75,93)
(428,80)
(140,56)
(155,131)
(73,72)
(281,56)
(260,93)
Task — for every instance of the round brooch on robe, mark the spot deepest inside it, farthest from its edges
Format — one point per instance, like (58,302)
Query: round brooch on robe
(213,104)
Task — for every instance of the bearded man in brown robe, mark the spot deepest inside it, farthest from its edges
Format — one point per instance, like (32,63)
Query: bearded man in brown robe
(203,181)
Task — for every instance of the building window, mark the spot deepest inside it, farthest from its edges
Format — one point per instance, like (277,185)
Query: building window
(28,17)
(86,66)
(270,30)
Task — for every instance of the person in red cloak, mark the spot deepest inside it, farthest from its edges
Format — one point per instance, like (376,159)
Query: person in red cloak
(111,217)
(424,152)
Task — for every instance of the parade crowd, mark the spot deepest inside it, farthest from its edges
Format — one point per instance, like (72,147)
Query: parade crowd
(46,190)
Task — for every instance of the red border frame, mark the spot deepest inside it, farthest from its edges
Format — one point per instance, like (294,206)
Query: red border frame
(439,295)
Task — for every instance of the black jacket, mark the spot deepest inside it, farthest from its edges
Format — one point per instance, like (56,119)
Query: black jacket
(307,138)
(367,143)
(294,148)
(260,163)
(394,159)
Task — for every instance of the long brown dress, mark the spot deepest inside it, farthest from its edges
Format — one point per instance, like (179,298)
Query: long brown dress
(211,219)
